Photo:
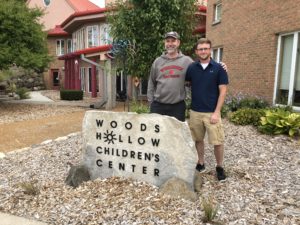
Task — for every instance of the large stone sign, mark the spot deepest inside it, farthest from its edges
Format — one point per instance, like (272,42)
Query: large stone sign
(147,147)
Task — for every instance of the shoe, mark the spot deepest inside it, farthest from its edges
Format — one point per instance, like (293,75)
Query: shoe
(220,173)
(200,168)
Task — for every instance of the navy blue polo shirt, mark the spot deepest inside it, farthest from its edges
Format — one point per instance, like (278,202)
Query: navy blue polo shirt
(205,85)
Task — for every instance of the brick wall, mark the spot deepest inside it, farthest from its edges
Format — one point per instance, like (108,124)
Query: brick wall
(55,64)
(248,33)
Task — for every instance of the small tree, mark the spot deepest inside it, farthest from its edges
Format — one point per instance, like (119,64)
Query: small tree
(143,24)
(22,41)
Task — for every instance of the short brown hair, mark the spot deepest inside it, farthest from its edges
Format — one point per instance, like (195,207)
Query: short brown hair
(203,41)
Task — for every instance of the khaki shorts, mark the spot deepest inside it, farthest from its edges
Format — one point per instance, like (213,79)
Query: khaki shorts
(200,123)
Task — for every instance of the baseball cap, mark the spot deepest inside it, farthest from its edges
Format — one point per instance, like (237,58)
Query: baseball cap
(172,34)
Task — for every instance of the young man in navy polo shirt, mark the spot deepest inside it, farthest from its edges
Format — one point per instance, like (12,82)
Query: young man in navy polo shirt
(209,86)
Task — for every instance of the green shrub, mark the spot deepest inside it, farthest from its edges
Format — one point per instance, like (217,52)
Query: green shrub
(11,88)
(5,75)
(225,110)
(280,121)
(23,93)
(70,95)
(253,103)
(139,107)
(188,105)
(210,210)
(29,188)
(247,116)
(234,103)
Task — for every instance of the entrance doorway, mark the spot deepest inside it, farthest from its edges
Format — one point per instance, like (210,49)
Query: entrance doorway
(55,79)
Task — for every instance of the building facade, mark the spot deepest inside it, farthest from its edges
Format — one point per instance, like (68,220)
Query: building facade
(79,42)
(59,41)
(259,42)
(87,66)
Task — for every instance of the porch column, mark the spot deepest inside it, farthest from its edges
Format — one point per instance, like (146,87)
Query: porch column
(110,86)
(77,76)
(73,64)
(66,78)
(70,74)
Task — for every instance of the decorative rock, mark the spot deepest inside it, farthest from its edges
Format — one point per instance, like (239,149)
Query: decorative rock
(46,142)
(198,181)
(2,155)
(77,175)
(176,187)
(146,147)
(61,138)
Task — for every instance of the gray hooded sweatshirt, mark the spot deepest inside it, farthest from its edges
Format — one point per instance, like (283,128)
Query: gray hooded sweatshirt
(167,78)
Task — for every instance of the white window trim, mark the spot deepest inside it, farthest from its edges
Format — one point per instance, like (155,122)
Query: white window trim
(218,53)
(69,41)
(216,6)
(60,51)
(83,78)
(95,41)
(293,68)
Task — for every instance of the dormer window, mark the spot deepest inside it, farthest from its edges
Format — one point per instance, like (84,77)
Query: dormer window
(47,2)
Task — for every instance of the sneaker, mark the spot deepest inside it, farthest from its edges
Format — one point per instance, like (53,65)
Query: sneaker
(200,168)
(220,173)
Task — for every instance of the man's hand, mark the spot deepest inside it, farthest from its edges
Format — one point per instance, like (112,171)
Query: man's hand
(215,117)
(224,66)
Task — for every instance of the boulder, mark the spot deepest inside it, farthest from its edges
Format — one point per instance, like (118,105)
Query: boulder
(77,175)
(176,187)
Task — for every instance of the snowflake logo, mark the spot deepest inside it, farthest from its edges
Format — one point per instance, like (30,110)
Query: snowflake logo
(109,137)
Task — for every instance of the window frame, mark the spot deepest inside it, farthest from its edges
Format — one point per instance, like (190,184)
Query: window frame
(219,56)
(47,2)
(217,13)
(95,31)
(83,78)
(104,30)
(69,45)
(296,45)
(60,50)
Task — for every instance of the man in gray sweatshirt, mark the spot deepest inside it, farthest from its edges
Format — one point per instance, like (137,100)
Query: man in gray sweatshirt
(166,90)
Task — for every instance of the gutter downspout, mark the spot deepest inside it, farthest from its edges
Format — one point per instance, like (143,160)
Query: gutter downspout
(105,98)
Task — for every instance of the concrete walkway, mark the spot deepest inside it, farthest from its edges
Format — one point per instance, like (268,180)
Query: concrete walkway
(36,96)
(7,219)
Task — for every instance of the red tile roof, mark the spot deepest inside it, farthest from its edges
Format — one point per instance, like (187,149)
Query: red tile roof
(101,48)
(202,8)
(83,13)
(57,31)
(82,5)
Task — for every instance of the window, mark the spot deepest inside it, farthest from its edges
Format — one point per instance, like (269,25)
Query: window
(287,79)
(120,86)
(217,12)
(55,78)
(60,47)
(78,38)
(90,79)
(143,87)
(93,36)
(82,78)
(217,54)
(104,34)
(47,2)
(69,45)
